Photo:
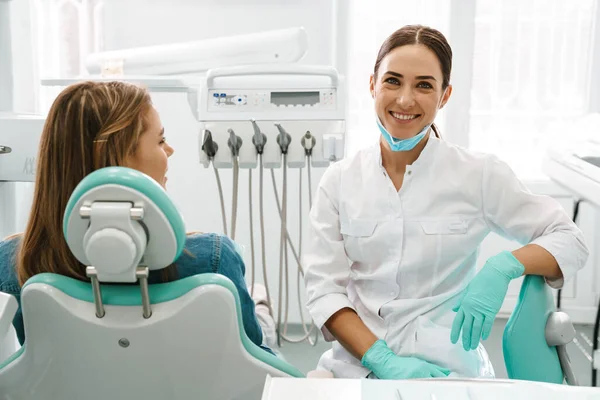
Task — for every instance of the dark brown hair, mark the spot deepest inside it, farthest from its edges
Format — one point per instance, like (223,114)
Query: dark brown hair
(433,39)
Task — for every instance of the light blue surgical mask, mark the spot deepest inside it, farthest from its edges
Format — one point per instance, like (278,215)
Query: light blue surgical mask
(402,144)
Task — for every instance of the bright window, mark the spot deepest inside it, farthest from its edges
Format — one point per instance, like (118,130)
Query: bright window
(530,59)
(531,75)
(66,32)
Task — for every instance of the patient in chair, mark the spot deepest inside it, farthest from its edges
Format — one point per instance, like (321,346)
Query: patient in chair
(92,126)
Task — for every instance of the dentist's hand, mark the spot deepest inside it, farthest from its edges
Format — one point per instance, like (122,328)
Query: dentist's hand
(482,299)
(385,364)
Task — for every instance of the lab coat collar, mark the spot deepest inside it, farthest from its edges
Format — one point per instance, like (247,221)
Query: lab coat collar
(424,158)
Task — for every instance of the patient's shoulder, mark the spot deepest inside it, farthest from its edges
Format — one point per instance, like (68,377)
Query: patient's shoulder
(8,249)
(208,252)
(197,241)
(211,244)
(8,261)
(198,251)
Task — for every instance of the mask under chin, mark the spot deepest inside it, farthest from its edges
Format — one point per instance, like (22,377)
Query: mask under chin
(402,144)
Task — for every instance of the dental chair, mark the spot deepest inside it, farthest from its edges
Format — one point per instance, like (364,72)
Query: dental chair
(118,337)
(536,336)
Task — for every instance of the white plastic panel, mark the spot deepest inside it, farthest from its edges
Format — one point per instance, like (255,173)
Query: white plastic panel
(286,92)
(200,352)
(328,147)
(20,133)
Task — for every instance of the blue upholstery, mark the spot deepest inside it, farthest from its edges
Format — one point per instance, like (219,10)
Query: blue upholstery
(526,354)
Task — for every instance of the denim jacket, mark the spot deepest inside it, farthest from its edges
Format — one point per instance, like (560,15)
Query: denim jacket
(207,253)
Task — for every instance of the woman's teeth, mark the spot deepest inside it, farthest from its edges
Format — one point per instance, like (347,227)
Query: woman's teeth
(404,116)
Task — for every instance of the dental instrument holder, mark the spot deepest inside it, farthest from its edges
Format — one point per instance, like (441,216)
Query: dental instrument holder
(115,226)
(286,116)
(259,139)
(283,139)
(209,146)
(308,142)
(300,98)
(235,143)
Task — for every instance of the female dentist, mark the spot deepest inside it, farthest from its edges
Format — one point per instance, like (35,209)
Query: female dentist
(396,229)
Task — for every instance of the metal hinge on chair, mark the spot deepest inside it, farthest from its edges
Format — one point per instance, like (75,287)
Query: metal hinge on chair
(141,273)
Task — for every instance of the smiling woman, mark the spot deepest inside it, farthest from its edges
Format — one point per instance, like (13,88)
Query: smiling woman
(411,80)
(410,213)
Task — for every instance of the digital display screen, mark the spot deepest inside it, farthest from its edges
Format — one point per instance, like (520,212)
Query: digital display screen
(294,98)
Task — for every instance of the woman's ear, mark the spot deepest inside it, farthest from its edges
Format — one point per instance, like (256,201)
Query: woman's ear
(372,86)
(446,96)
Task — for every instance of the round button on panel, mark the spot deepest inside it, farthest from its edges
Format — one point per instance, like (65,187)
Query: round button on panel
(239,100)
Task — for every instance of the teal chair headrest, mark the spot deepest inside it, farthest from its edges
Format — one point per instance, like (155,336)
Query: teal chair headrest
(114,187)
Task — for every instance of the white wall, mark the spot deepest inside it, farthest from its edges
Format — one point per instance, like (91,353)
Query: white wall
(25,86)
(15,197)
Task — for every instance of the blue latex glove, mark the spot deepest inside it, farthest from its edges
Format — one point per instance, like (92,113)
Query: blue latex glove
(385,364)
(482,299)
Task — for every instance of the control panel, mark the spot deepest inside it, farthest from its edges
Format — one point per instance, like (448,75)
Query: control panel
(255,100)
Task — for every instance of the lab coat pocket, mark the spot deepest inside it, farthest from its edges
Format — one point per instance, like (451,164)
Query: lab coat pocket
(432,344)
(453,226)
(358,227)
(359,238)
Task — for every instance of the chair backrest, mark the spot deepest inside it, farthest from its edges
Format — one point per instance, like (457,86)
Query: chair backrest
(193,346)
(105,339)
(527,355)
(9,343)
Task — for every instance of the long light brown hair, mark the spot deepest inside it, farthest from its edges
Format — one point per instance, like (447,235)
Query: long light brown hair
(89,126)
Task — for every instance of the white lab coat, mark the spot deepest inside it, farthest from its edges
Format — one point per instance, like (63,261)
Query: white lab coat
(401,258)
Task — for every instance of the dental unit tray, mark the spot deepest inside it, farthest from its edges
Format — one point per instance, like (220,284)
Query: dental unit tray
(421,389)
(302,100)
(577,169)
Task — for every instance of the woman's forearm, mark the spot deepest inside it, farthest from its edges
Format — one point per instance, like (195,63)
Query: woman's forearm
(352,333)
(538,261)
